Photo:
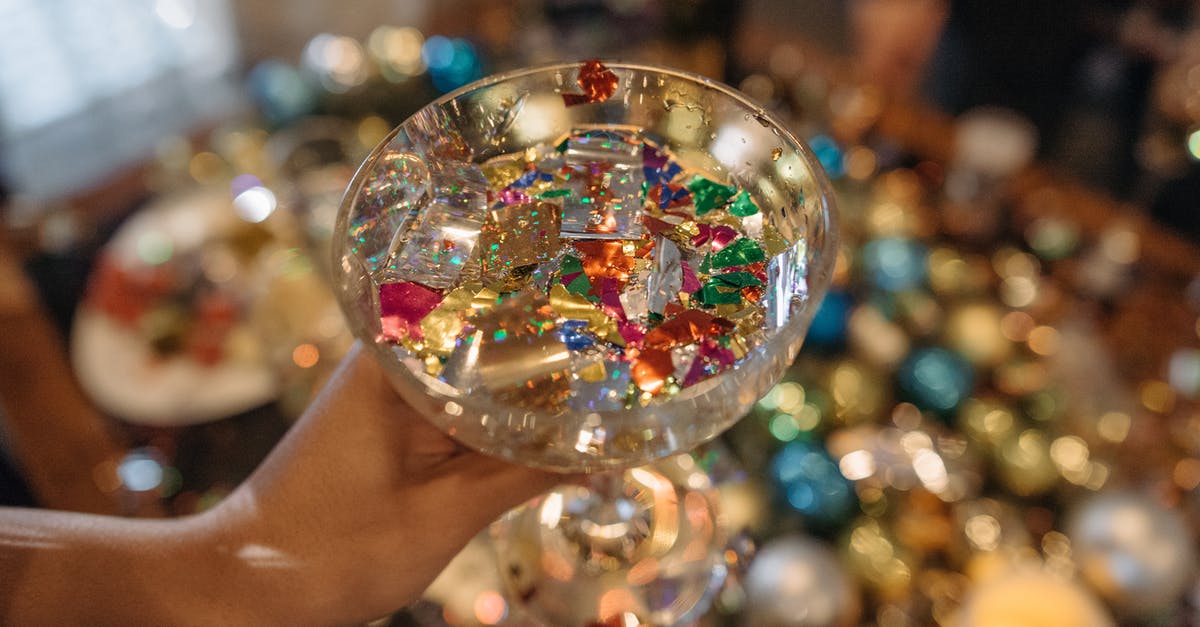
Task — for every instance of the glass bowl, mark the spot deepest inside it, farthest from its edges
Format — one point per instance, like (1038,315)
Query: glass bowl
(585,266)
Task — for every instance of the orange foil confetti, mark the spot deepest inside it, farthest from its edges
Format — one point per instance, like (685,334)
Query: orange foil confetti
(598,84)
(517,235)
(651,369)
(689,326)
(605,258)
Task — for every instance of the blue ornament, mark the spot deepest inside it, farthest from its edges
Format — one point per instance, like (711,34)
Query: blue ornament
(452,62)
(894,264)
(281,92)
(829,154)
(936,379)
(828,327)
(809,480)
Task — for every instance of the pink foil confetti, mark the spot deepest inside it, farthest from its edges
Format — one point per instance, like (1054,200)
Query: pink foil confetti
(610,299)
(690,282)
(633,334)
(511,196)
(402,306)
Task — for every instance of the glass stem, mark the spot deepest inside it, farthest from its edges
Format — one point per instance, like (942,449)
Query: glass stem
(609,485)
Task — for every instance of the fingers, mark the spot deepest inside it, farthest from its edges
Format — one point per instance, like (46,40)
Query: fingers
(481,488)
(425,447)
(365,414)
(359,399)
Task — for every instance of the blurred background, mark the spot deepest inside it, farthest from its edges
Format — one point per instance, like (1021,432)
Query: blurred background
(994,420)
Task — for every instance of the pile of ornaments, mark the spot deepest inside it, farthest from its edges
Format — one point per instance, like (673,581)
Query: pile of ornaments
(993,419)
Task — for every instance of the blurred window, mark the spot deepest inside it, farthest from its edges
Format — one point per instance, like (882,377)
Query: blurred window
(89,86)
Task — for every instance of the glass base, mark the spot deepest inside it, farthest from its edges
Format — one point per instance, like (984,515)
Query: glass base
(643,546)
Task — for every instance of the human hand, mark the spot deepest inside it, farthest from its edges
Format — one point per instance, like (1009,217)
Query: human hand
(358,508)
(350,518)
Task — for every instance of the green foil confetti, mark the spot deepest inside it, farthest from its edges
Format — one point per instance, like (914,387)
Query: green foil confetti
(743,205)
(741,252)
(580,285)
(737,280)
(553,193)
(713,294)
(708,195)
(571,265)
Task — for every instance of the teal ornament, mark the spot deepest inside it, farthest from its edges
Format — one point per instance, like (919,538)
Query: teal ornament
(811,483)
(452,63)
(894,264)
(282,93)
(830,154)
(935,379)
(828,328)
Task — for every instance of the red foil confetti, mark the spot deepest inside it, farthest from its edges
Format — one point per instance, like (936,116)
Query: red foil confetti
(717,237)
(402,306)
(598,84)
(656,226)
(633,334)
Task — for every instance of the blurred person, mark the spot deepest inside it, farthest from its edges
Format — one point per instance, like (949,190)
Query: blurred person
(894,41)
(1081,72)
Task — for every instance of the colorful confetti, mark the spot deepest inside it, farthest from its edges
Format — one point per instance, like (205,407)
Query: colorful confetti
(601,262)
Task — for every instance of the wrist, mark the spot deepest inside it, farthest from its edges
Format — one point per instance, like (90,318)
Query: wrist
(184,574)
(246,570)
(225,575)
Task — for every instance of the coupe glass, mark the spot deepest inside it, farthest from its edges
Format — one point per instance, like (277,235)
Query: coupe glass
(587,268)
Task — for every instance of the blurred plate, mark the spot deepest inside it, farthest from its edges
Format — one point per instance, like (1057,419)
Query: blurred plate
(162,337)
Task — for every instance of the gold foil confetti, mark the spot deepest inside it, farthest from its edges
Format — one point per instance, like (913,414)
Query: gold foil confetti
(575,307)
(514,237)
(594,373)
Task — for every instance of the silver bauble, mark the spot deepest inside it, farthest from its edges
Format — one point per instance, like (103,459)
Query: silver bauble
(797,581)
(1135,552)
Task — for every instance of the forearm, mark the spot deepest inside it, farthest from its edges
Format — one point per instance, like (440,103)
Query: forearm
(64,568)
(349,518)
